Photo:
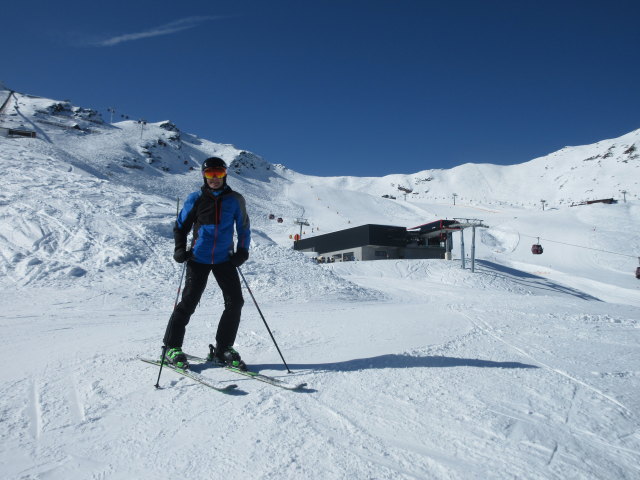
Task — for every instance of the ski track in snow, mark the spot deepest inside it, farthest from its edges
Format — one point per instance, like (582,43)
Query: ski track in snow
(469,405)
(487,328)
(589,390)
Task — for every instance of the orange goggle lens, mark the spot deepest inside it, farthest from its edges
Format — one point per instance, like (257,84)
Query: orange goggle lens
(216,172)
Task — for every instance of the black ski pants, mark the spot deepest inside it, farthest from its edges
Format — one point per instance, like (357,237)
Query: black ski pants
(229,282)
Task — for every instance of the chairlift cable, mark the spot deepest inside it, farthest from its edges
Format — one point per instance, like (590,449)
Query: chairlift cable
(579,246)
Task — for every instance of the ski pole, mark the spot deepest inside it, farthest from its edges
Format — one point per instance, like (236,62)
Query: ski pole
(164,347)
(184,267)
(184,264)
(164,350)
(262,316)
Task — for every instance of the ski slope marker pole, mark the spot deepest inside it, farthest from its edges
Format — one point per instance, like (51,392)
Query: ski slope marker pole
(265,322)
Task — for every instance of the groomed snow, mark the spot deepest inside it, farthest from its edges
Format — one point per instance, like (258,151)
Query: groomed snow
(527,368)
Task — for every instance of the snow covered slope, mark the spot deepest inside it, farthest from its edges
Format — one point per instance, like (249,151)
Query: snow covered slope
(527,368)
(92,195)
(570,175)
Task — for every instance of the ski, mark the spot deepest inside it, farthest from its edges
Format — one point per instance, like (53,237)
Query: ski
(194,376)
(247,373)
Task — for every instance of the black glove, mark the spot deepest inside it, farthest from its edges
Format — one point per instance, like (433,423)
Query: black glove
(181,254)
(238,258)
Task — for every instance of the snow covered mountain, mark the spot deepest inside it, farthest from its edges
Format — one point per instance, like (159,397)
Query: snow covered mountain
(86,197)
(527,368)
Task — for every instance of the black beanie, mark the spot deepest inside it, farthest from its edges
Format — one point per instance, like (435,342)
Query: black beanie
(213,162)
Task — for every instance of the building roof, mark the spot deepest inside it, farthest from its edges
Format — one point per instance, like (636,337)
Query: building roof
(380,235)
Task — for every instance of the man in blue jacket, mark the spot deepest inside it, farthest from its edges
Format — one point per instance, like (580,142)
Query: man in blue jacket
(212,213)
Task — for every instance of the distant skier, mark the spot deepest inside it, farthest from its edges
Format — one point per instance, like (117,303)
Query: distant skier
(212,212)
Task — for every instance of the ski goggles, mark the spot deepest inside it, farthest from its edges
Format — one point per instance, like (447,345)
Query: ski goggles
(214,172)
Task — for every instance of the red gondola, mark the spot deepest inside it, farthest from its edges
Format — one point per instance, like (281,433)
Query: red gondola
(536,248)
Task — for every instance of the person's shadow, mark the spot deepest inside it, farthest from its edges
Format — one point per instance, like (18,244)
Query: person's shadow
(394,361)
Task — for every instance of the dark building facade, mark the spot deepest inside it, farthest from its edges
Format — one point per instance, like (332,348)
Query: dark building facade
(372,242)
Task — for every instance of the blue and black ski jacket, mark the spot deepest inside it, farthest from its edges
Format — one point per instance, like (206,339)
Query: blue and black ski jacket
(212,215)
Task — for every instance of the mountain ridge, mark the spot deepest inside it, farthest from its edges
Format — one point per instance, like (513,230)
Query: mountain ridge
(569,175)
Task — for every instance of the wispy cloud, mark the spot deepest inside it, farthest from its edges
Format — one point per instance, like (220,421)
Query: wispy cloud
(167,29)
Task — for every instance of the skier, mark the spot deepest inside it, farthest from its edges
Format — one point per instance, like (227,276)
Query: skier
(212,212)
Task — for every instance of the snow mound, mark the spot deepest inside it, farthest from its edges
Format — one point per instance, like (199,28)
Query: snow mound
(61,225)
(279,273)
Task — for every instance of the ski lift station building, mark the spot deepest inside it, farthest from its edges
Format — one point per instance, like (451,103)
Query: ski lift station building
(378,242)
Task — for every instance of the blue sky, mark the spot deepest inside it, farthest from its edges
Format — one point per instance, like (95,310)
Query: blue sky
(344,87)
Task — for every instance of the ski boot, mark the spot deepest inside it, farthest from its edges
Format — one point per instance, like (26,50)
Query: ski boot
(227,356)
(177,358)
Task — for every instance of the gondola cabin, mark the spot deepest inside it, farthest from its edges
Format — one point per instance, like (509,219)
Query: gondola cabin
(271,216)
(536,249)
(638,272)
(280,220)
